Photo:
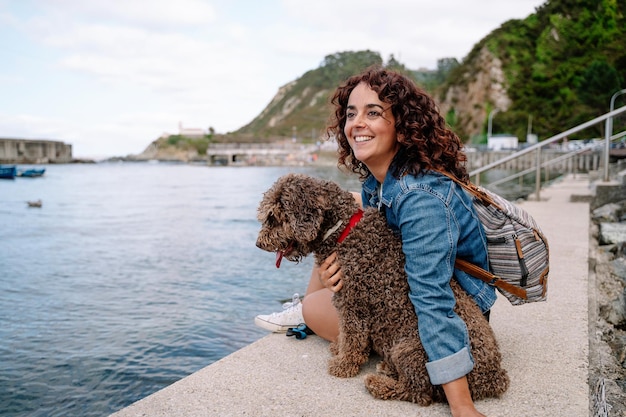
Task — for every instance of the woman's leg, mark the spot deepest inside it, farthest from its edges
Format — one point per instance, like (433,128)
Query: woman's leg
(318,310)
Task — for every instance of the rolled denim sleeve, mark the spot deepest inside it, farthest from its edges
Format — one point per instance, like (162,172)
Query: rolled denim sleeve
(450,368)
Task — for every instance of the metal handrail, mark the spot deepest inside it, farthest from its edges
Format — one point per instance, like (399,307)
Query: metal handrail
(537,147)
(592,147)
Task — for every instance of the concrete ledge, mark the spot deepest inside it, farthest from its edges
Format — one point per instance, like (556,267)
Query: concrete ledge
(608,192)
(545,350)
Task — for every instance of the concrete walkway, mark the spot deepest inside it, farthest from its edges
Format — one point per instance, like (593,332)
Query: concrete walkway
(544,345)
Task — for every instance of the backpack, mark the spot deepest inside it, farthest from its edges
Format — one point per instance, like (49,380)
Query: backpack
(518,250)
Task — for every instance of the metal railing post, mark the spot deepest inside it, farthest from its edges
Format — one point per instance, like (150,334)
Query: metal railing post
(607,135)
(538,175)
(607,148)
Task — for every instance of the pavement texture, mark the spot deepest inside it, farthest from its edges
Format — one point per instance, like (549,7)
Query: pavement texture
(545,349)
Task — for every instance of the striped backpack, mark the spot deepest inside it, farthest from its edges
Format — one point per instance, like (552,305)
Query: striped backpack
(518,250)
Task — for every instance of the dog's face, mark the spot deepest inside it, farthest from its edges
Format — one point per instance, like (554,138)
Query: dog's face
(291,214)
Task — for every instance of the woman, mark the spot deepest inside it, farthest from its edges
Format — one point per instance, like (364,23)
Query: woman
(391,134)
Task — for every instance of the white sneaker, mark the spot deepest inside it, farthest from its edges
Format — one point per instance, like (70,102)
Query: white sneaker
(291,316)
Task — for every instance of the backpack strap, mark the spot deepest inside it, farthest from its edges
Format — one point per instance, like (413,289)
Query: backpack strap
(469,267)
(489,278)
(473,190)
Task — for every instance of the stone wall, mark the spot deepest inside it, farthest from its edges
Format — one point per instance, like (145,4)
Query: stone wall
(607,301)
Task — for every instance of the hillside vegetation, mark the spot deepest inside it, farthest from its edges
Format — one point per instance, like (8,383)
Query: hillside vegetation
(301,108)
(561,66)
(553,70)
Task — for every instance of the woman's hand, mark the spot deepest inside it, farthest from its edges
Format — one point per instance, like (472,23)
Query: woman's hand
(330,273)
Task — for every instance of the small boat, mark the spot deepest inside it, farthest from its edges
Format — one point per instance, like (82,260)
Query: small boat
(32,172)
(36,203)
(8,172)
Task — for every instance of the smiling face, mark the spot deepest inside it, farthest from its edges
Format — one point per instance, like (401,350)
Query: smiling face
(370,130)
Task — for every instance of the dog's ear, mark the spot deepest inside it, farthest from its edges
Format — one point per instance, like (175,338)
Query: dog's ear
(304,207)
(306,222)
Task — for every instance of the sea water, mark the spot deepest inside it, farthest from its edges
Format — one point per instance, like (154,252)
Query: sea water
(130,277)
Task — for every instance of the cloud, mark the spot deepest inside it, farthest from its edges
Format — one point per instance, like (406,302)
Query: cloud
(120,72)
(419,32)
(149,13)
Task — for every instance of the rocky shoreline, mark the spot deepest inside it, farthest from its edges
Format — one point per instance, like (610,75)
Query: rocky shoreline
(607,308)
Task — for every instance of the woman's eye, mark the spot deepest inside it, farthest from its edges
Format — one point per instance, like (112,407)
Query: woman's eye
(372,114)
(350,115)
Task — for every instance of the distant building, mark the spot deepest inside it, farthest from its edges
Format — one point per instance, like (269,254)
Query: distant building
(190,132)
(502,142)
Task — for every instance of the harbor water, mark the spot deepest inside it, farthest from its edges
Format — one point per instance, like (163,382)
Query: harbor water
(129,278)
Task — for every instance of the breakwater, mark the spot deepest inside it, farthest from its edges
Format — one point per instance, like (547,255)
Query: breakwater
(26,151)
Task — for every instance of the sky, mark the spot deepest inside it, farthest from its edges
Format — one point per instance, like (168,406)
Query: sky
(111,76)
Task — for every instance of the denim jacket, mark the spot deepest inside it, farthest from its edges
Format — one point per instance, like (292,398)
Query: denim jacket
(437,222)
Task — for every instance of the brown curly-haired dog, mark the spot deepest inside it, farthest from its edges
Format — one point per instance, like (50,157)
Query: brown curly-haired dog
(302,215)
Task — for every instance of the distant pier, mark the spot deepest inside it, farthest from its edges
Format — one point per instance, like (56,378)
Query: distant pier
(259,153)
(28,151)
(277,154)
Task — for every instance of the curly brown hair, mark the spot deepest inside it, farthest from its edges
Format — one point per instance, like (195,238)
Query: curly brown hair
(426,142)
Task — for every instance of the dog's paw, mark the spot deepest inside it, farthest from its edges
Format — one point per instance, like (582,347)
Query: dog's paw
(381,386)
(384,387)
(384,368)
(340,368)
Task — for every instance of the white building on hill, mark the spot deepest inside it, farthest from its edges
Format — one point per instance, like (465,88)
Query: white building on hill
(190,132)
(502,142)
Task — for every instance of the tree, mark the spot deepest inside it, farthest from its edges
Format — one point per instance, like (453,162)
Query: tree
(444,67)
(341,65)
(597,84)
(394,64)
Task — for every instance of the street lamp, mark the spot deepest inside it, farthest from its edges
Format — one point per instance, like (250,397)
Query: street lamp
(489,121)
(608,133)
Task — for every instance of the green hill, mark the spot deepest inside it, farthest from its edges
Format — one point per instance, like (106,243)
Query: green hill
(301,108)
